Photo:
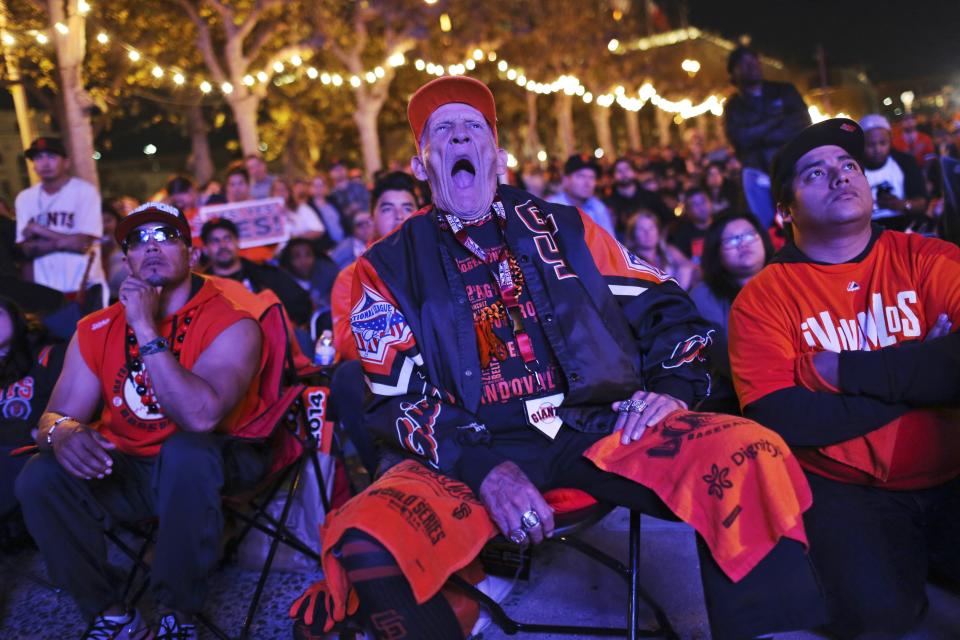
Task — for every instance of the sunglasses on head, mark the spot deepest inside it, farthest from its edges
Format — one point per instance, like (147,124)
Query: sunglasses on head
(162,235)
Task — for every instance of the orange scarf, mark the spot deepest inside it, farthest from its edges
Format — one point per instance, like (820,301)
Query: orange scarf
(731,479)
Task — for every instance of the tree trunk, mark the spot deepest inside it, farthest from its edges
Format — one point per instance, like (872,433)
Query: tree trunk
(368,110)
(532,145)
(566,142)
(664,120)
(601,122)
(633,129)
(199,144)
(245,106)
(71,49)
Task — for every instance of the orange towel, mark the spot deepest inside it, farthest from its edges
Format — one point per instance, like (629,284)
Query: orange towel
(731,479)
(432,525)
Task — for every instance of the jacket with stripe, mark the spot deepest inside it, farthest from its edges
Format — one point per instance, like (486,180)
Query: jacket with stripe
(614,323)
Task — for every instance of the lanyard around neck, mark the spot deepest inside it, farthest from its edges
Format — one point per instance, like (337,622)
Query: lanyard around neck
(506,285)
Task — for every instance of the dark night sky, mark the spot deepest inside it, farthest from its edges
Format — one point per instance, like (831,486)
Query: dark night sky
(889,40)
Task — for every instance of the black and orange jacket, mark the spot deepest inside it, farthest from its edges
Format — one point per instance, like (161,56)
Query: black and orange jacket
(614,323)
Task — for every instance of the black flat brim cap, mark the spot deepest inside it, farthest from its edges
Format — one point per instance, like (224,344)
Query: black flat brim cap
(840,132)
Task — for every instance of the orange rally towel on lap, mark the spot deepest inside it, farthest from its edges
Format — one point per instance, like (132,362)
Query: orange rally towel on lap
(731,479)
(431,524)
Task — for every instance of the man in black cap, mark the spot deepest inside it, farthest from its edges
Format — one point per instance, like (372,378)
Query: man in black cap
(59,224)
(761,115)
(175,367)
(580,175)
(843,346)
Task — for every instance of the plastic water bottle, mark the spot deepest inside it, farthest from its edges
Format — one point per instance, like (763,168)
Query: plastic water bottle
(325,353)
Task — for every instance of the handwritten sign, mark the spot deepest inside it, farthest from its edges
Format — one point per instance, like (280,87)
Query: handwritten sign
(260,222)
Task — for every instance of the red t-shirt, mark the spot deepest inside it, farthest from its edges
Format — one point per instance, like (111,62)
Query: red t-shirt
(894,294)
(125,420)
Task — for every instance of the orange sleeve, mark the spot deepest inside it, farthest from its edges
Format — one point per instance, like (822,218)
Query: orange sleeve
(939,278)
(340,314)
(763,351)
(615,261)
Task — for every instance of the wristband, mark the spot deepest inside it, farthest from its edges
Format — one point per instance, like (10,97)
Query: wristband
(156,345)
(56,423)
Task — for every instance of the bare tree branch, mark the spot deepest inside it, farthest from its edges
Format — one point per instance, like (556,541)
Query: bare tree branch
(205,42)
(227,15)
(261,38)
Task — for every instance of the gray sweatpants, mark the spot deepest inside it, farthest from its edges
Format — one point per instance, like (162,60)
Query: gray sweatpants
(67,516)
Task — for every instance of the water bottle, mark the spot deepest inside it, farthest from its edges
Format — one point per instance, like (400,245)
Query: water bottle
(325,353)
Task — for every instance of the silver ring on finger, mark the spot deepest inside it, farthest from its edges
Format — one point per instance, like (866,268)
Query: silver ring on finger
(518,536)
(530,520)
(640,406)
(627,406)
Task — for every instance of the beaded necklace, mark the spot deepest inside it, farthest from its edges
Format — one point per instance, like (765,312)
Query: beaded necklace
(136,370)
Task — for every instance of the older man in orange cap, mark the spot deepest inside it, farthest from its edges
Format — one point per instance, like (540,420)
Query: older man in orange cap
(502,337)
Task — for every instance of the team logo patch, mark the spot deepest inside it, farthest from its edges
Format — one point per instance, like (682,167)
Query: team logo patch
(634,263)
(853,286)
(415,428)
(377,325)
(688,350)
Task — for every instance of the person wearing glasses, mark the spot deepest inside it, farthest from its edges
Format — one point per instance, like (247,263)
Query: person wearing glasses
(175,366)
(735,249)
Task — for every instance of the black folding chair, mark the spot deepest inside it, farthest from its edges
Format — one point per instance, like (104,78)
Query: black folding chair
(567,527)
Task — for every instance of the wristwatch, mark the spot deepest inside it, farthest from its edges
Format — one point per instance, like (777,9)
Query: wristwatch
(56,423)
(154,346)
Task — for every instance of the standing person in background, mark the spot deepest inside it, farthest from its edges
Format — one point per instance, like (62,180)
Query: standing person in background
(260,180)
(327,213)
(735,249)
(762,115)
(59,225)
(580,175)
(645,237)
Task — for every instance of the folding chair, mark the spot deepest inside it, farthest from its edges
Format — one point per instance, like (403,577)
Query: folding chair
(297,437)
(580,512)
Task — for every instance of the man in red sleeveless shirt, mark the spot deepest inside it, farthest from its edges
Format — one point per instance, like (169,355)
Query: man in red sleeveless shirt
(175,365)
(843,346)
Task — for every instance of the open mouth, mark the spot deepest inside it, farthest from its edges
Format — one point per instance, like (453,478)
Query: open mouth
(463,173)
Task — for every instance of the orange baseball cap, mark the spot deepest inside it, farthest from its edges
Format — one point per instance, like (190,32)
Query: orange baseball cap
(447,90)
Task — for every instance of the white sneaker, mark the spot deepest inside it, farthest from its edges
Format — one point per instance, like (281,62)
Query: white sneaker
(131,627)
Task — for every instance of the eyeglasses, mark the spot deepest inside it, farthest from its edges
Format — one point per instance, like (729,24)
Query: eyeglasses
(140,237)
(732,242)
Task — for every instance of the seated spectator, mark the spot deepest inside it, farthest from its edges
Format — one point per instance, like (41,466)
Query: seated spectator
(347,194)
(843,346)
(360,233)
(312,270)
(735,249)
(910,140)
(722,192)
(533,179)
(260,180)
(187,360)
(688,231)
(210,193)
(302,222)
(114,264)
(580,175)
(182,193)
(644,237)
(899,189)
(220,244)
(301,191)
(491,408)
(29,366)
(629,194)
(327,213)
